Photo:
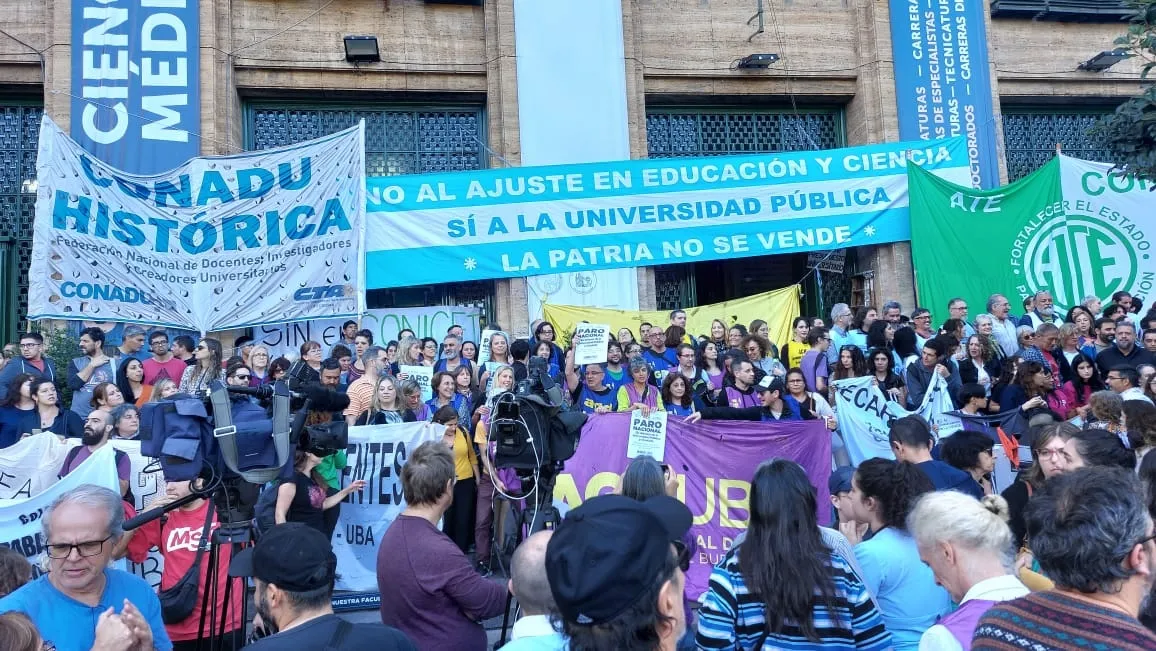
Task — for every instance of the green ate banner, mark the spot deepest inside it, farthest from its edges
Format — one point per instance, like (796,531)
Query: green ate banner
(1073,228)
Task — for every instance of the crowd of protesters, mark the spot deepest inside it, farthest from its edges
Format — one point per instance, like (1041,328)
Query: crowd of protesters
(923,552)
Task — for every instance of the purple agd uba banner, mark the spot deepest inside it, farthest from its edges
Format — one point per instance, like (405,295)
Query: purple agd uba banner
(715,462)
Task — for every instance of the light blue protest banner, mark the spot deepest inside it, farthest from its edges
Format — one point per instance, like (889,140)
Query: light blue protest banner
(217,243)
(536,220)
(136,100)
(942,81)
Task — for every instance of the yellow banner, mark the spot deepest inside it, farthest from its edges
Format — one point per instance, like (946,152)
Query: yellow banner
(778,308)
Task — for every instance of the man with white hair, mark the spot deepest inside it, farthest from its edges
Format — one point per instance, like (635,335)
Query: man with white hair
(1045,311)
(80,529)
(840,324)
(528,582)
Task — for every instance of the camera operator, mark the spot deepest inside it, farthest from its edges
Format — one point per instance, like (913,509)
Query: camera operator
(332,464)
(305,497)
(178,535)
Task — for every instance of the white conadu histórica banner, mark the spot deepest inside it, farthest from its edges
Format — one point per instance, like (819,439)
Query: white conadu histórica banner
(219,242)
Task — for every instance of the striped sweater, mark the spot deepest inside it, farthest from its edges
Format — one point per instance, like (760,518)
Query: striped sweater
(732,618)
(1046,621)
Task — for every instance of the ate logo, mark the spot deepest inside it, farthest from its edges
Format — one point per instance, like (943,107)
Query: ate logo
(1080,256)
(187,538)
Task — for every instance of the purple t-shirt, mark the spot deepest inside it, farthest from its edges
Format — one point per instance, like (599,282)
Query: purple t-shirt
(814,366)
(122,464)
(430,591)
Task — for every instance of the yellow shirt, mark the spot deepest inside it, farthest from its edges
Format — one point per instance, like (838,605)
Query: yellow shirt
(795,352)
(464,458)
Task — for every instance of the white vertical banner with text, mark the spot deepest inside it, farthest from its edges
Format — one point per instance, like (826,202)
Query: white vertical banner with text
(376,454)
(647,435)
(590,343)
(423,375)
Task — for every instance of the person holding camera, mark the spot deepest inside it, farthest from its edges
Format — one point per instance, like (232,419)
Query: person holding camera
(303,498)
(182,537)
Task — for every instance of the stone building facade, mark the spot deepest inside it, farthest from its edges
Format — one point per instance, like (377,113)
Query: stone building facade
(444,97)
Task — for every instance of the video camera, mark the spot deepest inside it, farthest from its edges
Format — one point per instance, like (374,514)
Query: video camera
(232,444)
(530,428)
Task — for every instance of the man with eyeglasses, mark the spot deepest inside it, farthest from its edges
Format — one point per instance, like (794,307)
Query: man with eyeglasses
(163,364)
(80,530)
(1091,533)
(32,361)
(1125,352)
(1125,380)
(921,321)
(957,309)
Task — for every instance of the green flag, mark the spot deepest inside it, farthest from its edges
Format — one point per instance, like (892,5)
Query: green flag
(970,243)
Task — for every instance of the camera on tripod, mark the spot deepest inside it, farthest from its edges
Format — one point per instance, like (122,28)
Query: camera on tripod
(232,445)
(529,427)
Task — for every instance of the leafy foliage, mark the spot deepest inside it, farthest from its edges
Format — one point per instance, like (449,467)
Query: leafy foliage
(1131,131)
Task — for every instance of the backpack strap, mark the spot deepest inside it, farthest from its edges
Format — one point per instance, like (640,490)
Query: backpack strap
(338,639)
(69,459)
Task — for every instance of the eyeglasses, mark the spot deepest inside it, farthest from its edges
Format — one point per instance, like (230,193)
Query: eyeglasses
(1049,453)
(29,345)
(85,549)
(242,377)
(1110,378)
(1151,536)
(683,555)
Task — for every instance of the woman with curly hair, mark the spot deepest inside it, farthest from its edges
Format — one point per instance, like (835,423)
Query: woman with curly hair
(883,493)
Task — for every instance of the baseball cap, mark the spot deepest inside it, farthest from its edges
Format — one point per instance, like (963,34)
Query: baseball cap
(840,480)
(292,556)
(770,383)
(608,552)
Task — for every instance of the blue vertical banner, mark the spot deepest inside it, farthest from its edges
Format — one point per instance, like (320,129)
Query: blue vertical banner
(942,79)
(136,82)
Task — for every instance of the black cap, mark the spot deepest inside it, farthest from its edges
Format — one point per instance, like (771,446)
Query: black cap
(609,551)
(840,480)
(770,383)
(292,556)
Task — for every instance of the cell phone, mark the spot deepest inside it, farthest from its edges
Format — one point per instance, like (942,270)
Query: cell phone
(666,471)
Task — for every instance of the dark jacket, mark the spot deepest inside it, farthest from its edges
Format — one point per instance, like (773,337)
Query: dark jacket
(1110,358)
(919,378)
(969,374)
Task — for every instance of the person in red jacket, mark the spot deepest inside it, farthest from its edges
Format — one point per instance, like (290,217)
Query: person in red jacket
(177,535)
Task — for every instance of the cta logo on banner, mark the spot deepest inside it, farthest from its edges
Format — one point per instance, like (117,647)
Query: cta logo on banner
(136,100)
(532,221)
(217,243)
(942,82)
